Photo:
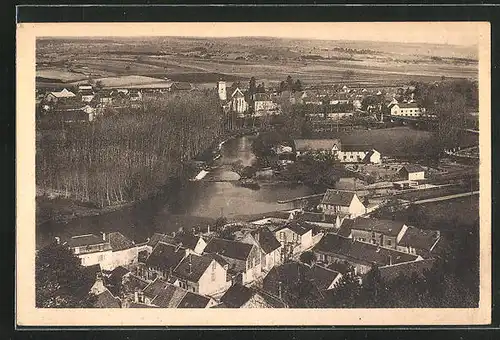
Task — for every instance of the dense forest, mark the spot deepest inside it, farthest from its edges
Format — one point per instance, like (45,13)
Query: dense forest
(126,157)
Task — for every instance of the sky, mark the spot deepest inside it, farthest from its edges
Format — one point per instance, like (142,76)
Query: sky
(455,33)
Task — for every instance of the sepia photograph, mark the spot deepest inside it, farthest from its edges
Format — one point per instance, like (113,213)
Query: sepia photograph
(323,173)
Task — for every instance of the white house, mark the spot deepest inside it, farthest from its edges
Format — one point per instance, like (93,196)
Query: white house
(412,172)
(350,153)
(263,105)
(344,203)
(202,274)
(90,249)
(270,247)
(295,238)
(407,110)
(243,259)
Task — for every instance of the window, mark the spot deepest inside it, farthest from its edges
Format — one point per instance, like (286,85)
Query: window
(389,242)
(282,235)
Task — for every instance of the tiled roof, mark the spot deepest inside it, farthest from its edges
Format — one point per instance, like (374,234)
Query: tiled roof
(85,240)
(412,168)
(118,273)
(154,288)
(360,251)
(317,217)
(346,227)
(227,248)
(268,241)
(107,300)
(192,300)
(296,227)
(187,240)
(338,197)
(356,147)
(192,267)
(165,256)
(419,238)
(389,273)
(386,227)
(236,296)
(181,86)
(323,277)
(169,296)
(315,144)
(408,105)
(157,237)
(118,241)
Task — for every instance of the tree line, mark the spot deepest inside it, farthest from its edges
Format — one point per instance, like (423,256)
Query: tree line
(127,157)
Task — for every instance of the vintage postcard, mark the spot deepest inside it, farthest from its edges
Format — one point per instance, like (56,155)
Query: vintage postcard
(253,174)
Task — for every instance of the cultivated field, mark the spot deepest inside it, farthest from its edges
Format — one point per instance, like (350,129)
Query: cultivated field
(270,60)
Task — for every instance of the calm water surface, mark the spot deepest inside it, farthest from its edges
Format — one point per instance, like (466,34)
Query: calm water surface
(195,203)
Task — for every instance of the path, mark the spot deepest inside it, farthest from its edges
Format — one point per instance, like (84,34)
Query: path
(444,198)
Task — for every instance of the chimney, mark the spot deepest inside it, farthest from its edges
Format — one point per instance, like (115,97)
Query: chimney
(190,265)
(208,229)
(58,240)
(279,289)
(104,236)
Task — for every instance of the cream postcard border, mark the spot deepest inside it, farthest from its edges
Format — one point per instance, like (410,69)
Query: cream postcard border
(28,315)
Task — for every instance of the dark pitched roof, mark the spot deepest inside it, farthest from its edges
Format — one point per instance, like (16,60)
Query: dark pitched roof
(267,240)
(157,237)
(118,241)
(86,92)
(356,147)
(338,197)
(107,300)
(323,277)
(360,251)
(386,227)
(236,296)
(345,227)
(165,256)
(338,266)
(419,238)
(169,296)
(85,240)
(411,168)
(389,273)
(317,217)
(187,240)
(192,300)
(315,144)
(271,300)
(154,288)
(408,105)
(118,273)
(192,267)
(297,228)
(227,248)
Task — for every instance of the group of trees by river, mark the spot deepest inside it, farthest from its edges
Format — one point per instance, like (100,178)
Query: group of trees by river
(127,157)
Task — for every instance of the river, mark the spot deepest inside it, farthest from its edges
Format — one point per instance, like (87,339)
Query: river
(194,203)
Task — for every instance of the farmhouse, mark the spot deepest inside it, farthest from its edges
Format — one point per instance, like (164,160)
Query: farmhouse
(90,249)
(362,256)
(342,203)
(408,269)
(180,86)
(202,274)
(243,259)
(86,94)
(418,241)
(315,146)
(193,243)
(352,153)
(412,172)
(340,98)
(407,110)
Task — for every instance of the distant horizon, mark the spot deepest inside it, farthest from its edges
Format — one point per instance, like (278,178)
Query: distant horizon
(463,34)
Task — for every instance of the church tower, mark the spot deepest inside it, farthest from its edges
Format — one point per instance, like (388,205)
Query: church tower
(221,89)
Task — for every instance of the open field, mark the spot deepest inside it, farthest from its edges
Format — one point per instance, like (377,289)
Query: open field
(200,60)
